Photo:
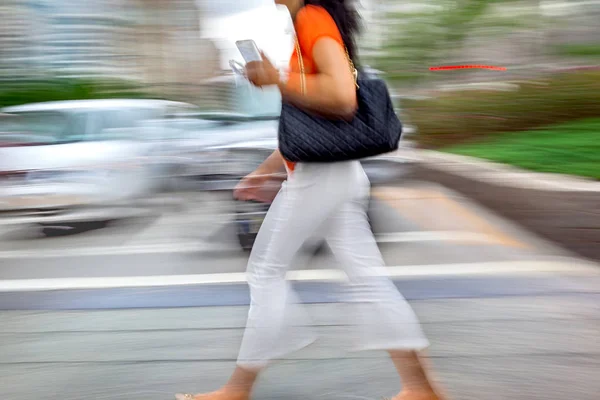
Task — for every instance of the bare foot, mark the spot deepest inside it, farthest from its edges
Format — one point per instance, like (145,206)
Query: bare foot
(222,394)
(421,395)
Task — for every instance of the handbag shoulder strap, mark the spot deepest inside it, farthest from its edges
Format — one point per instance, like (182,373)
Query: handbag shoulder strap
(301,66)
(303,74)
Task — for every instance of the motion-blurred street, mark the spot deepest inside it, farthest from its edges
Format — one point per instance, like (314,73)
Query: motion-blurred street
(147,307)
(125,125)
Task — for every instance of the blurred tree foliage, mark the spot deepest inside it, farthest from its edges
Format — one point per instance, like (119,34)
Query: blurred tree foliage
(591,51)
(460,116)
(414,41)
(566,148)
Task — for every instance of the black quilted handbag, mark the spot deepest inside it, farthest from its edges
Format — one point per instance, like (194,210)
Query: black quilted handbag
(374,130)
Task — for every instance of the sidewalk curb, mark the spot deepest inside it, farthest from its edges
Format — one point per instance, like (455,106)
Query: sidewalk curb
(504,175)
(564,210)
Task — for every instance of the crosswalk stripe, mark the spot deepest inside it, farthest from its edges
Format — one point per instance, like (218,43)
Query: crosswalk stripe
(550,266)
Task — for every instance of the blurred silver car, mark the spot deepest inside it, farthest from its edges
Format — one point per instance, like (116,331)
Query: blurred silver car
(77,161)
(218,155)
(216,149)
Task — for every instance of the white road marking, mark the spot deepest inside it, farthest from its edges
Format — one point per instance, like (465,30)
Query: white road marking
(433,236)
(199,246)
(560,265)
(159,248)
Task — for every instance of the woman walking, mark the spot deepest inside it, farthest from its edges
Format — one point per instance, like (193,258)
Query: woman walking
(324,197)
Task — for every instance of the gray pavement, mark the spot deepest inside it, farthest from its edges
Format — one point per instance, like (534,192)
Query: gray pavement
(510,348)
(509,316)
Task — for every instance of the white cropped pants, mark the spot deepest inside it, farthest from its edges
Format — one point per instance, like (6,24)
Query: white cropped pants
(330,198)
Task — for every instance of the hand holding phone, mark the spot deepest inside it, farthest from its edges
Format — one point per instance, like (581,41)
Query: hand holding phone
(260,72)
(249,50)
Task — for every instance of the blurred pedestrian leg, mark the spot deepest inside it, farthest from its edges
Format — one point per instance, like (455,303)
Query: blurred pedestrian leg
(332,198)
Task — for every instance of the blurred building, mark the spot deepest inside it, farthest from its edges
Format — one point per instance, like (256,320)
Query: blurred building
(50,38)
(91,46)
(172,56)
(20,52)
(152,41)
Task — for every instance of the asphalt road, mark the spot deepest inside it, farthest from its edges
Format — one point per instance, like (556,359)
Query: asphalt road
(417,224)
(148,307)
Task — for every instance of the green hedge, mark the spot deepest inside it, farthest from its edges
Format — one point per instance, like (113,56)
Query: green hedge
(22,92)
(470,115)
(568,148)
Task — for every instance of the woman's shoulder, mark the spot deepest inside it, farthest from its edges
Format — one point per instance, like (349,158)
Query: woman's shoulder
(312,13)
(316,21)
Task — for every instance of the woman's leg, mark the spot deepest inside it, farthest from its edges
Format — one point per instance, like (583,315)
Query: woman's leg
(276,324)
(275,329)
(416,384)
(386,320)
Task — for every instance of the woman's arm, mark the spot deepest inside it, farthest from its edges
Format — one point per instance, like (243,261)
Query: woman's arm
(272,165)
(251,187)
(332,90)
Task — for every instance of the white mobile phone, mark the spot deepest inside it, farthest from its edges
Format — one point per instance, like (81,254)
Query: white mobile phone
(237,67)
(249,50)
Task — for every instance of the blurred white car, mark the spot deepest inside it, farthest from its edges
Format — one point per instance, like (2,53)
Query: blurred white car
(216,149)
(218,155)
(78,161)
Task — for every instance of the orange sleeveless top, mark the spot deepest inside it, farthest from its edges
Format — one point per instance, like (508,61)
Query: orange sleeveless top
(312,23)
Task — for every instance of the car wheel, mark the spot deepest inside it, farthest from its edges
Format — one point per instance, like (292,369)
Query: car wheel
(246,241)
(249,218)
(57,230)
(54,230)
(92,225)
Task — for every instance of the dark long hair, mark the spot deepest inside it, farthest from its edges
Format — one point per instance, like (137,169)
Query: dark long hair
(347,19)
